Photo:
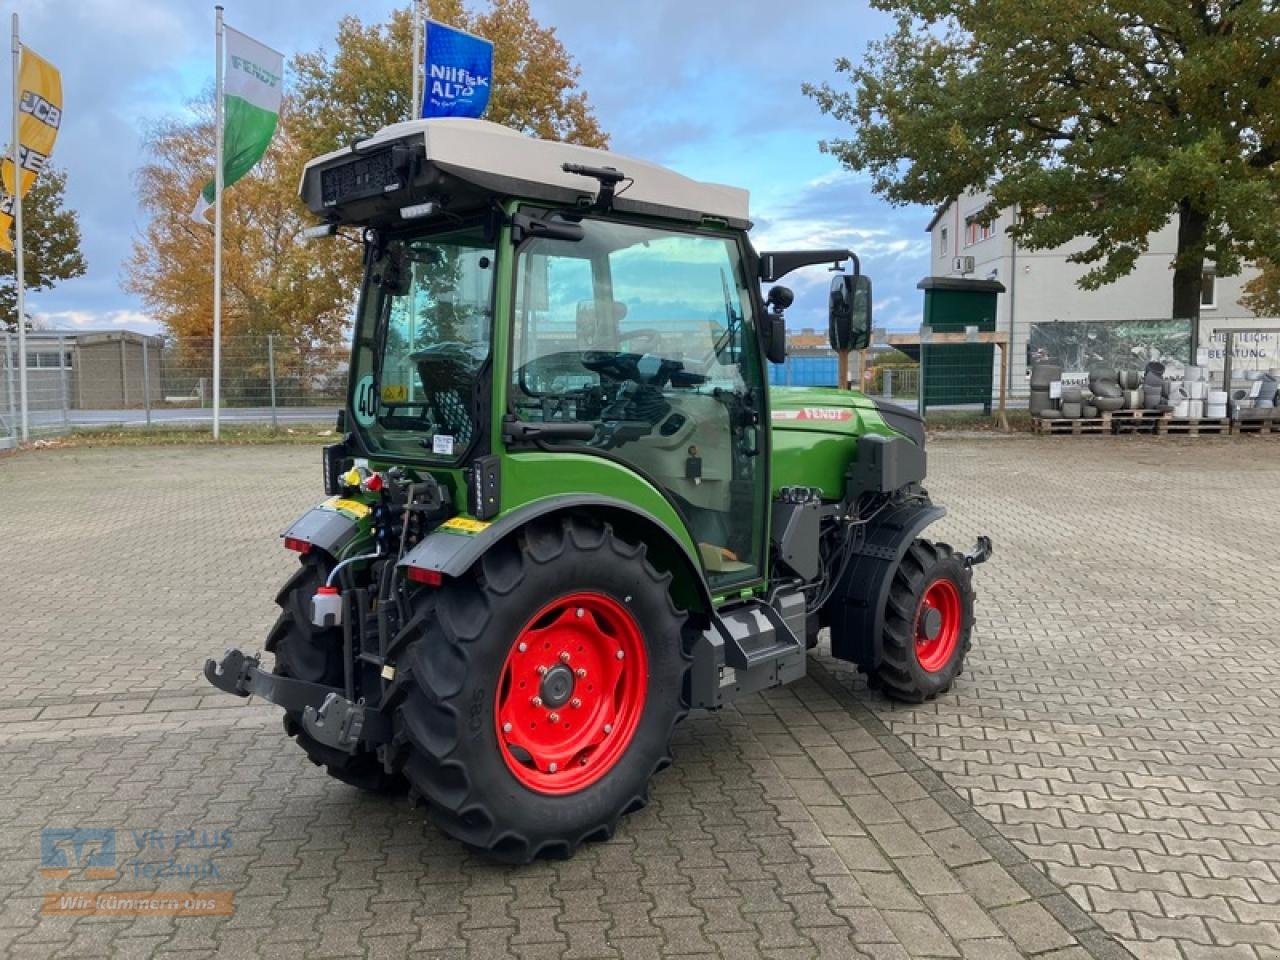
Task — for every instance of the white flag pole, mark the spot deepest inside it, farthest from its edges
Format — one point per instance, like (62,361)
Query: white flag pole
(17,234)
(421,13)
(217,230)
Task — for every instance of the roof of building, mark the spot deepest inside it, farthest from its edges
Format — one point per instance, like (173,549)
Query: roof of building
(93,336)
(937,215)
(504,161)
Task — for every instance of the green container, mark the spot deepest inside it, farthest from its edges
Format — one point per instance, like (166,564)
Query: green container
(958,373)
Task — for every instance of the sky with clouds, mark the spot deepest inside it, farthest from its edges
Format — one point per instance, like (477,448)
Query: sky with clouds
(709,88)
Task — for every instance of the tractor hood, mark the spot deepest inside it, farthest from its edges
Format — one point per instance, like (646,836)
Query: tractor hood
(815,434)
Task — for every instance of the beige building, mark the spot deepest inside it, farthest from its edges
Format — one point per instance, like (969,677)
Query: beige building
(92,370)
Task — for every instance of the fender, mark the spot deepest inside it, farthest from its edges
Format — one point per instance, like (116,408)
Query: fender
(453,553)
(855,612)
(331,526)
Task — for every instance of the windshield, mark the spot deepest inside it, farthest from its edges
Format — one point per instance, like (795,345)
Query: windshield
(424,332)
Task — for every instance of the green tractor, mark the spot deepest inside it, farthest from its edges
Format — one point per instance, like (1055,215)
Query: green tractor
(567,507)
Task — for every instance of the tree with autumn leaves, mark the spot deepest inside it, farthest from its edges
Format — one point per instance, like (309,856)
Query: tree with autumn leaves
(274,281)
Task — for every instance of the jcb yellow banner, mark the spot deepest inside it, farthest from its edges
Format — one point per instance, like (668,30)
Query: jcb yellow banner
(40,103)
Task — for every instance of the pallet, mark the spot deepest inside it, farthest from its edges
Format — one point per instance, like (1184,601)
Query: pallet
(1085,426)
(1193,427)
(1254,425)
(1160,423)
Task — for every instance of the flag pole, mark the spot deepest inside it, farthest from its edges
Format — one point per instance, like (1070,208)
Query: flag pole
(20,278)
(217,230)
(421,13)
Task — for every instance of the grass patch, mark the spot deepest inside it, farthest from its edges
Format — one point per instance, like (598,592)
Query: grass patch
(232,435)
(944,421)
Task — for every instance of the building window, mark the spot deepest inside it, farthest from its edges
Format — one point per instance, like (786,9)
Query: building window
(976,232)
(48,360)
(943,240)
(1208,290)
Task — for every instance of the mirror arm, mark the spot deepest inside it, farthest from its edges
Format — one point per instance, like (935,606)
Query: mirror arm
(776,264)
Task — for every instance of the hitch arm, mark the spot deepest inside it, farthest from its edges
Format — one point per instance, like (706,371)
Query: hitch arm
(327,715)
(980,552)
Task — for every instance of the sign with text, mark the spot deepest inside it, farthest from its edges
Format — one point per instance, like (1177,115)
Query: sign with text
(458,70)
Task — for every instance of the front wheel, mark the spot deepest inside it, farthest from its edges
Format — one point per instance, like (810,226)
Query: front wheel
(543,690)
(928,623)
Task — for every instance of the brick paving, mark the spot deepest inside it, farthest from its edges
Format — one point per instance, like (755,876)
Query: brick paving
(1120,789)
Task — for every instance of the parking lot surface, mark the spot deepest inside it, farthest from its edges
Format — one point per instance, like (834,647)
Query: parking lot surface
(1103,781)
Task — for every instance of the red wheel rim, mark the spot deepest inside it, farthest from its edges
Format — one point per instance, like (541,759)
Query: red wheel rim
(571,693)
(938,625)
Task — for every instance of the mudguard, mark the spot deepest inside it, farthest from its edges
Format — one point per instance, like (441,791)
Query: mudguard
(457,544)
(855,611)
(330,526)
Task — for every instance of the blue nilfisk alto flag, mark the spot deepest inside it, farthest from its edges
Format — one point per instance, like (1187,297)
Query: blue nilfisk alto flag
(459,67)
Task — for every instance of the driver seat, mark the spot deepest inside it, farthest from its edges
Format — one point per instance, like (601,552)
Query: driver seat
(598,328)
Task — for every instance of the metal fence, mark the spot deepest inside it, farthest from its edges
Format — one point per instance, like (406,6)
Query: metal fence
(127,380)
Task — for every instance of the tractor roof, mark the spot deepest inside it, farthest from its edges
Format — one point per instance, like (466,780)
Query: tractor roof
(472,160)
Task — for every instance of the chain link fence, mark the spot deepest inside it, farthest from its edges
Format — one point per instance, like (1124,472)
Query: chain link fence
(124,379)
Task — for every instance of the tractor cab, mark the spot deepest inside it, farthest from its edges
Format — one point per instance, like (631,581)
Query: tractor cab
(566,507)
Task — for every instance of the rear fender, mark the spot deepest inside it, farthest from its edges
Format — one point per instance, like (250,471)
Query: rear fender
(452,552)
(332,526)
(855,611)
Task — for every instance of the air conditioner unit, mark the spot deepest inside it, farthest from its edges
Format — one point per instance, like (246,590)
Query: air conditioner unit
(962,265)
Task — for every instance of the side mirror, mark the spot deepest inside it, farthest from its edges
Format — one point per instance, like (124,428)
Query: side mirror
(778,299)
(849,314)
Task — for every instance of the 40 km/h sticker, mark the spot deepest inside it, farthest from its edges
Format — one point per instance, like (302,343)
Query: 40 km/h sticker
(824,414)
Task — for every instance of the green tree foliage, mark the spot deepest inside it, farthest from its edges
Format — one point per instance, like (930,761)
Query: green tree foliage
(1101,121)
(51,245)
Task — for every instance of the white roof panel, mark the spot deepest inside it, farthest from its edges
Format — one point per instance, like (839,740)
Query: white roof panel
(505,161)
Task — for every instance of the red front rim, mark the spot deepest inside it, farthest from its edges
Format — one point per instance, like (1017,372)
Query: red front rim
(938,625)
(571,693)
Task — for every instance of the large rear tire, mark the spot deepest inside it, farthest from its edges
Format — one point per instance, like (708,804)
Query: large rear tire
(306,652)
(928,623)
(543,689)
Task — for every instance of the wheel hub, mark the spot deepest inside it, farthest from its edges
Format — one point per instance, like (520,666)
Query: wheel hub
(557,686)
(939,620)
(571,693)
(931,623)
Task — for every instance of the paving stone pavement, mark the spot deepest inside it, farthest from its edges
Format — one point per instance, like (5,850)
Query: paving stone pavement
(1108,762)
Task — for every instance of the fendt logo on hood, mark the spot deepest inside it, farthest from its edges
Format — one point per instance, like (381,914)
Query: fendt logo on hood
(828,414)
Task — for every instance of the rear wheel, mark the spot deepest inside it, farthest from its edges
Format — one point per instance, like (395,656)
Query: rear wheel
(543,689)
(928,623)
(314,654)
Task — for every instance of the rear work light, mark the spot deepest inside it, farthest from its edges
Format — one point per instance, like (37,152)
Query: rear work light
(296,545)
(432,578)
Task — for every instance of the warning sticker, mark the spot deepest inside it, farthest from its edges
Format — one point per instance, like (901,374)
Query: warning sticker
(827,414)
(464,525)
(351,508)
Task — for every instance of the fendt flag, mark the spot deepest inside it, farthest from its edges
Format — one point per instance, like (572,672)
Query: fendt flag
(459,66)
(251,93)
(40,103)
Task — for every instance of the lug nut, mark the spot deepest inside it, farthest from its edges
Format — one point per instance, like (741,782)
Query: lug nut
(580,612)
(542,671)
(581,673)
(523,647)
(575,703)
(608,728)
(564,656)
(536,701)
(506,728)
(554,718)
(553,767)
(620,654)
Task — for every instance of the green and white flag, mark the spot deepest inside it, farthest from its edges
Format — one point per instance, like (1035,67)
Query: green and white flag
(252,87)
